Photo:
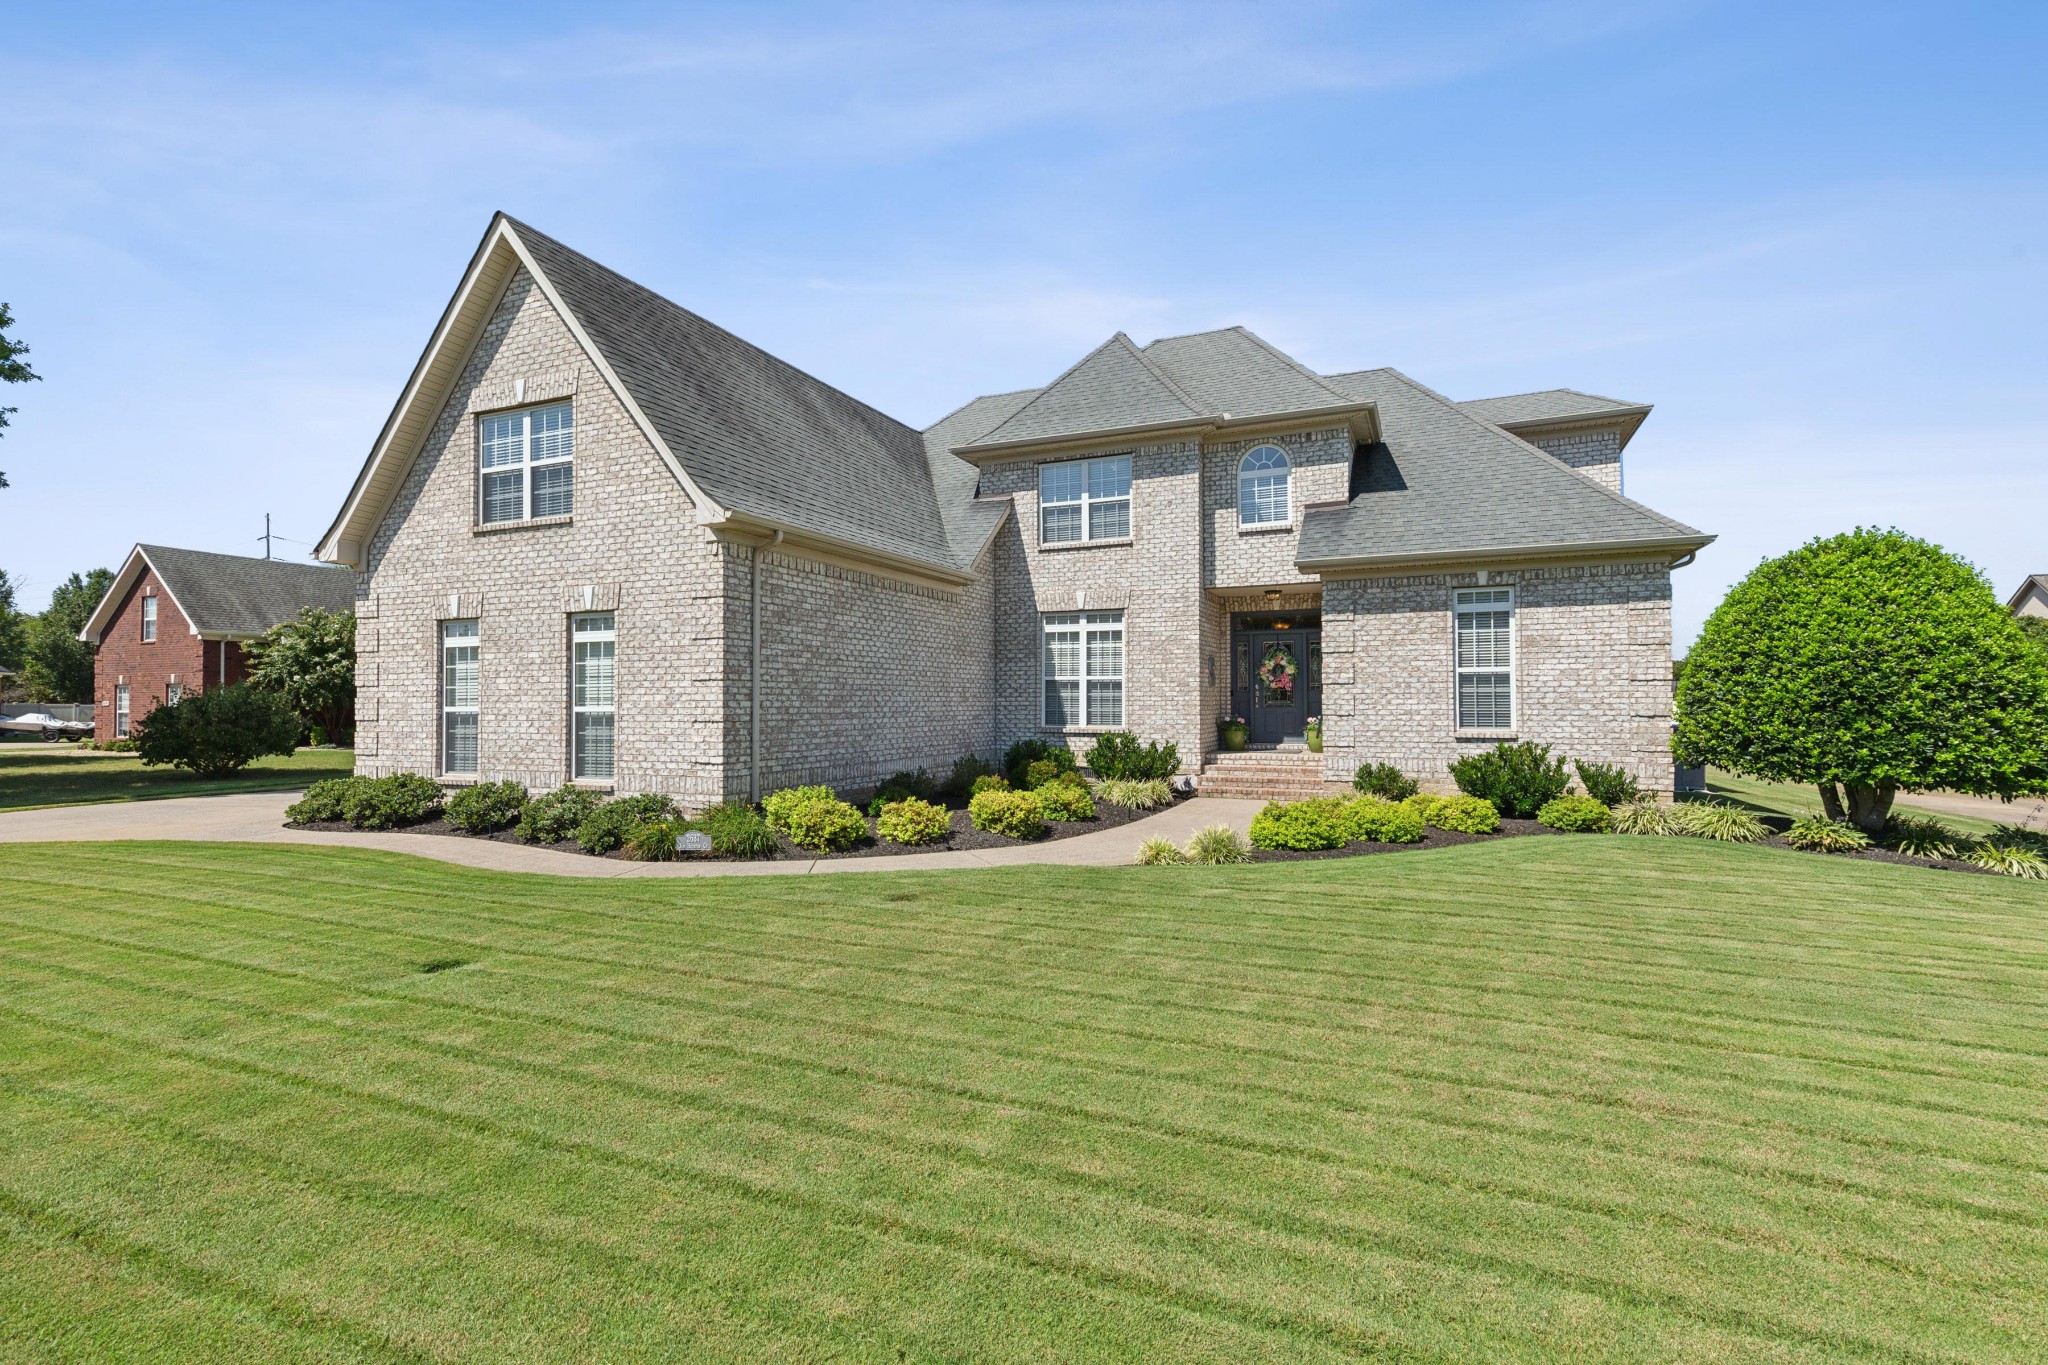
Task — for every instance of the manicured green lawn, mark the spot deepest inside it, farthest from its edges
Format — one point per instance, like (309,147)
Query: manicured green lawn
(34,774)
(1543,1099)
(1783,798)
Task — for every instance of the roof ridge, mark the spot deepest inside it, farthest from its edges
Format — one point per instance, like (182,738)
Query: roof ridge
(1533,393)
(1162,376)
(1536,450)
(1119,336)
(1287,359)
(763,352)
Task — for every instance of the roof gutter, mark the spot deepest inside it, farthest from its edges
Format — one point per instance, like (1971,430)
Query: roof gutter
(1683,548)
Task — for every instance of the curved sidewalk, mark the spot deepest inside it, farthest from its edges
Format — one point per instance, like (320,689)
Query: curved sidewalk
(258,817)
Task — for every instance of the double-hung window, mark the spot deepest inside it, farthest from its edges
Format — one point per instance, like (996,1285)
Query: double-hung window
(121,710)
(1083,500)
(1084,668)
(173,694)
(1485,644)
(526,463)
(149,619)
(594,699)
(460,692)
(1264,477)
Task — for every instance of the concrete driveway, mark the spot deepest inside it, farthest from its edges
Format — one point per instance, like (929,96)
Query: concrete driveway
(258,817)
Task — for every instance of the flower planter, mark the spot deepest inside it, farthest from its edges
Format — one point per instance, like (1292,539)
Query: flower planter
(1314,734)
(1234,737)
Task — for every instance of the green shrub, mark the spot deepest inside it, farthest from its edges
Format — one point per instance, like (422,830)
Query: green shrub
(1156,852)
(326,800)
(1042,772)
(1147,793)
(1519,779)
(825,825)
(1020,815)
(1608,783)
(987,782)
(2007,859)
(1730,824)
(917,782)
(1818,834)
(1119,756)
(606,827)
(218,731)
(911,821)
(1019,757)
(959,783)
(1576,814)
(738,831)
(1371,820)
(486,808)
(777,805)
(554,817)
(1066,801)
(1385,781)
(1319,822)
(389,802)
(2021,835)
(1217,845)
(888,796)
(1465,815)
(1645,816)
(654,841)
(1424,804)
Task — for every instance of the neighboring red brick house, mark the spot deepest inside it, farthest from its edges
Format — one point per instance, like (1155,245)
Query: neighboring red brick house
(174,622)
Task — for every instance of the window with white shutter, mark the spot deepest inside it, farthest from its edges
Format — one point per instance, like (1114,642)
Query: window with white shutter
(1485,647)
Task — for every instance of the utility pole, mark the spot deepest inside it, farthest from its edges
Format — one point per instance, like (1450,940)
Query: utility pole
(266,535)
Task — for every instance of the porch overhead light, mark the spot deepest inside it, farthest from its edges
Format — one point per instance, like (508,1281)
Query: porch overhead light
(1273,594)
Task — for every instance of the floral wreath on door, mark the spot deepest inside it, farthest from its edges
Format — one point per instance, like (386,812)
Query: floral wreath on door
(1277,669)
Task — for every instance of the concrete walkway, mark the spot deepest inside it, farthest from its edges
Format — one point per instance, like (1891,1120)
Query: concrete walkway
(258,817)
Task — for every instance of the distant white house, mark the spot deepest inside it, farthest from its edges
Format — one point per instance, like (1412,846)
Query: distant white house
(2032,598)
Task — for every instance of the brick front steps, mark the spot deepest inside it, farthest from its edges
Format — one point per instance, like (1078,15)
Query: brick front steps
(1267,774)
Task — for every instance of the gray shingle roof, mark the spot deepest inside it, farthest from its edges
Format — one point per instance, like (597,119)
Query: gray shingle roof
(969,522)
(2039,580)
(1546,405)
(757,434)
(1237,372)
(239,595)
(1112,386)
(1444,482)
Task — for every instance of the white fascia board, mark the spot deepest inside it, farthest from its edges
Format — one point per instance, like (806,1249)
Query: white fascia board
(1676,546)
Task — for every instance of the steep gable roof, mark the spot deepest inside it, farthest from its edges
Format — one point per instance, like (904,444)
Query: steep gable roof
(1445,483)
(1111,388)
(1235,371)
(2035,583)
(227,596)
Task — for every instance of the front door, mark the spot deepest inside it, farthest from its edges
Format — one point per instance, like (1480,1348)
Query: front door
(1279,685)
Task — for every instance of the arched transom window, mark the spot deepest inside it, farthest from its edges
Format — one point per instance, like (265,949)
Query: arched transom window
(1262,487)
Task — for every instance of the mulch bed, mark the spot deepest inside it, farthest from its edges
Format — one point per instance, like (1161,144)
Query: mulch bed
(963,835)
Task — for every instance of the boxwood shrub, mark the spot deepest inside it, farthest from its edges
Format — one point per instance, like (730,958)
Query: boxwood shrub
(824,825)
(325,800)
(1371,820)
(1385,781)
(554,817)
(606,827)
(1319,822)
(1019,757)
(777,805)
(1064,800)
(486,808)
(1576,814)
(1020,815)
(911,821)
(1119,755)
(1465,815)
(1608,783)
(389,802)
(1519,779)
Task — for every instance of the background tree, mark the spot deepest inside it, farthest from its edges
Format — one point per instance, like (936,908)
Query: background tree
(2035,628)
(56,664)
(13,633)
(310,662)
(1868,664)
(13,369)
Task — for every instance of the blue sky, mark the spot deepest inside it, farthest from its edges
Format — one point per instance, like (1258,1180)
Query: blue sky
(1811,234)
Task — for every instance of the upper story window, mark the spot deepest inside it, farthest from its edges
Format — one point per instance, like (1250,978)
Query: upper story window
(149,618)
(1485,643)
(1264,477)
(525,463)
(1082,500)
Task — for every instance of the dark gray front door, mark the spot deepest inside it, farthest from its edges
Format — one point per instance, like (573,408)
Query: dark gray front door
(1279,684)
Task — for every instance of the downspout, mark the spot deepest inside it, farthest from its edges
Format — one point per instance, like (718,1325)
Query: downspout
(754,677)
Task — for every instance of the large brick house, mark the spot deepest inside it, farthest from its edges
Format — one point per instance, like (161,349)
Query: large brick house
(601,540)
(174,622)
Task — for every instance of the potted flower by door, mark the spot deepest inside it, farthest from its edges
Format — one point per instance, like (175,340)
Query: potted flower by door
(1314,731)
(1233,733)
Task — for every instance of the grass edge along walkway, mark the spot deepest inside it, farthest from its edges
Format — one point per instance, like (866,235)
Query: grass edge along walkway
(40,777)
(1587,1098)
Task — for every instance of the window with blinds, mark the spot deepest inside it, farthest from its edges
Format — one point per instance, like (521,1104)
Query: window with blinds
(594,695)
(1264,480)
(1485,647)
(460,695)
(1084,668)
(526,463)
(1083,500)
(149,618)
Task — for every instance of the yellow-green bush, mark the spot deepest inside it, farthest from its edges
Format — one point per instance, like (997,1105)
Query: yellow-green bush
(1020,815)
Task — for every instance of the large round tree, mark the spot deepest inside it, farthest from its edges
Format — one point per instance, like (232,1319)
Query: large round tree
(1868,664)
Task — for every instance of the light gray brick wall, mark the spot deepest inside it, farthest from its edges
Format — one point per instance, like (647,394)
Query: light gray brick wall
(1592,669)
(1234,557)
(1596,454)
(631,540)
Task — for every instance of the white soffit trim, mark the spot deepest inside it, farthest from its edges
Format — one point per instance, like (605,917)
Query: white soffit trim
(131,569)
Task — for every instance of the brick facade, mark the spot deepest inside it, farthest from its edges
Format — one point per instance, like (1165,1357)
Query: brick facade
(148,668)
(1596,454)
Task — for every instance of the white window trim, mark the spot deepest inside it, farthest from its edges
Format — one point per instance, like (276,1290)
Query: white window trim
(1462,603)
(526,464)
(120,710)
(443,710)
(174,693)
(149,616)
(579,635)
(1078,621)
(1087,503)
(1287,519)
